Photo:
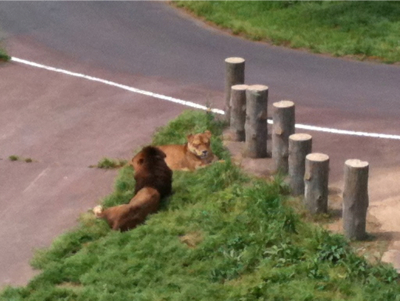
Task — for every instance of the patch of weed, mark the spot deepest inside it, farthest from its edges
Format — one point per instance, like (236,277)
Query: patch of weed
(18,158)
(108,163)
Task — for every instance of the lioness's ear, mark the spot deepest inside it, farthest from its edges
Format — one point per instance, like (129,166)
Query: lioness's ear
(208,134)
(140,161)
(189,137)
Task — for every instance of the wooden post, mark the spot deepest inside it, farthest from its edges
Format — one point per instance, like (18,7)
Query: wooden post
(238,111)
(256,129)
(234,75)
(316,183)
(283,127)
(355,199)
(300,145)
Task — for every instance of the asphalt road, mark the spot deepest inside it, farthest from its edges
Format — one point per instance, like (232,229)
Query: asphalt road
(66,124)
(152,39)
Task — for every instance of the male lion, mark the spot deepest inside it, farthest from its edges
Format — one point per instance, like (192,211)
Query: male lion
(192,155)
(151,170)
(127,216)
(153,182)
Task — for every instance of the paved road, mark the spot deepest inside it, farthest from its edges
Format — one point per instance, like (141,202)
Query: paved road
(66,124)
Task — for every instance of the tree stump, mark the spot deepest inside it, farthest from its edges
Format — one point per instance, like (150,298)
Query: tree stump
(234,75)
(283,127)
(316,183)
(238,111)
(355,199)
(256,130)
(300,145)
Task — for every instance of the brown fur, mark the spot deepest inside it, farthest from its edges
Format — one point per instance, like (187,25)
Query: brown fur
(153,182)
(128,216)
(152,171)
(192,155)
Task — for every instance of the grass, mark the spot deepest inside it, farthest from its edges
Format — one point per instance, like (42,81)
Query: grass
(365,30)
(107,163)
(18,158)
(4,56)
(222,235)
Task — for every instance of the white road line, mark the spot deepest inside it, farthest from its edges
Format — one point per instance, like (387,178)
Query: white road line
(114,84)
(343,132)
(35,180)
(195,105)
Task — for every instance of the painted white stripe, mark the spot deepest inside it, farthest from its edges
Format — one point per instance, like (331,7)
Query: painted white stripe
(114,84)
(195,105)
(342,132)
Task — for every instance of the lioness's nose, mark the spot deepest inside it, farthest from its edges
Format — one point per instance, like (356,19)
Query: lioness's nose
(205,152)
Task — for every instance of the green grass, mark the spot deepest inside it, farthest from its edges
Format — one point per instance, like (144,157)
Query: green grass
(18,158)
(222,235)
(107,163)
(4,56)
(341,28)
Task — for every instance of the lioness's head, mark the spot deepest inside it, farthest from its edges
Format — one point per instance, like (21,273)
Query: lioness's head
(199,144)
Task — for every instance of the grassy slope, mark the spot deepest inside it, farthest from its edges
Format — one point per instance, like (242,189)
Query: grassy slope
(365,29)
(221,236)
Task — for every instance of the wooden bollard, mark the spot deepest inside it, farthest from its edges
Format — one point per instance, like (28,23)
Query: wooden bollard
(238,111)
(283,127)
(316,183)
(355,199)
(300,145)
(256,129)
(234,75)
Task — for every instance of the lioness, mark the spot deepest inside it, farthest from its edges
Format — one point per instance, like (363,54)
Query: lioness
(192,155)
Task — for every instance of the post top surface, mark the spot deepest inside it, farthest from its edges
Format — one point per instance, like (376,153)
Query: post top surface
(356,163)
(283,104)
(234,60)
(317,157)
(257,88)
(300,137)
(240,87)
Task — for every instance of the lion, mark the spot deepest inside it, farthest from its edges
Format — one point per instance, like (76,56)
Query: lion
(194,154)
(151,170)
(127,216)
(153,182)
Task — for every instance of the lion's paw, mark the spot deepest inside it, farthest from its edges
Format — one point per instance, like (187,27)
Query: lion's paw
(98,210)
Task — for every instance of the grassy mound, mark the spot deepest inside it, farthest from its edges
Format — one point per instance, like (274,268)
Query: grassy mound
(358,28)
(222,235)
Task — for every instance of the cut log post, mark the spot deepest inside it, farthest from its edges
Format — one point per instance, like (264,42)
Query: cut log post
(234,75)
(300,145)
(256,129)
(316,183)
(355,199)
(283,127)
(238,111)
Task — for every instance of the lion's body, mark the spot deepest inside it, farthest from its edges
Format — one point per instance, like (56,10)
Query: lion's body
(153,182)
(128,216)
(190,156)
